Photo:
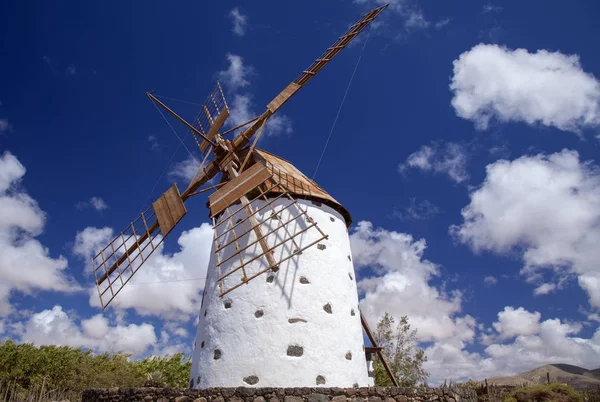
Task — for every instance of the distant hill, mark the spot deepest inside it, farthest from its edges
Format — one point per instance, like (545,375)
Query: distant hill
(577,377)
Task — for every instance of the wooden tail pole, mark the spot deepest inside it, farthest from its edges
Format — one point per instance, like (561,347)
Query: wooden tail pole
(374,343)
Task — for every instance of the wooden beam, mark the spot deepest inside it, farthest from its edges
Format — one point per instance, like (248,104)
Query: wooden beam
(374,343)
(214,128)
(179,118)
(248,208)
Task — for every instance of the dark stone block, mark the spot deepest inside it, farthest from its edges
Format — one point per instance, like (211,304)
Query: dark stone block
(217,354)
(327,308)
(246,391)
(227,304)
(252,379)
(321,246)
(259,313)
(381,391)
(349,356)
(336,391)
(352,312)
(304,281)
(321,380)
(318,398)
(295,350)
(270,278)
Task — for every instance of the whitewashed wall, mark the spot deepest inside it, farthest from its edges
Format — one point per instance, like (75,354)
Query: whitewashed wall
(245,338)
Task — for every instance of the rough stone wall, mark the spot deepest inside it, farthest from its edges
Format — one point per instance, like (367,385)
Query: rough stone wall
(243,394)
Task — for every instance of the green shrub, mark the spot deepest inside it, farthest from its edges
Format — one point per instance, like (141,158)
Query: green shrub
(545,393)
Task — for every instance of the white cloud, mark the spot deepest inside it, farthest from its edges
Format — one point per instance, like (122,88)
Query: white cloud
(236,75)
(166,286)
(401,285)
(449,158)
(185,170)
(239,21)
(544,289)
(25,264)
(516,342)
(240,110)
(279,124)
(89,242)
(513,322)
(96,203)
(546,342)
(490,280)
(547,209)
(55,327)
(549,88)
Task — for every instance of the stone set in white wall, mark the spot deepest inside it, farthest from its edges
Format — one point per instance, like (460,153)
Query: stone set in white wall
(298,327)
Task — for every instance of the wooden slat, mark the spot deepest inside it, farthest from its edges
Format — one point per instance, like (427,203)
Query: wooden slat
(237,187)
(283,97)
(214,128)
(175,204)
(169,209)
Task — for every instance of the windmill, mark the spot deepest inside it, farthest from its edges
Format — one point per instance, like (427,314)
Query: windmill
(280,304)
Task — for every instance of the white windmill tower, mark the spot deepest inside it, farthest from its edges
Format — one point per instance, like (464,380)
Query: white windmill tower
(280,304)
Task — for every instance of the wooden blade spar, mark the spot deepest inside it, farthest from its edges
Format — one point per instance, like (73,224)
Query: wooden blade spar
(244,137)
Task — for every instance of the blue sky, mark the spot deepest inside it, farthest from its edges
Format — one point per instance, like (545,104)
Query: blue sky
(465,151)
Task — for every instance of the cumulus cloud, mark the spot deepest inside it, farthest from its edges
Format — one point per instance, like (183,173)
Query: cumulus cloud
(401,285)
(546,208)
(395,277)
(168,286)
(96,203)
(449,158)
(539,343)
(547,88)
(513,322)
(25,264)
(239,21)
(55,327)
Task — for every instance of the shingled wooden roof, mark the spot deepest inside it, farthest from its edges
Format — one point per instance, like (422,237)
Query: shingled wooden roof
(297,184)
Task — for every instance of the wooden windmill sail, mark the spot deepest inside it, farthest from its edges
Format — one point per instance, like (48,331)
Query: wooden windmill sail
(247,175)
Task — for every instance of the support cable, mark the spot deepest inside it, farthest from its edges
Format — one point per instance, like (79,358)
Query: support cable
(342,104)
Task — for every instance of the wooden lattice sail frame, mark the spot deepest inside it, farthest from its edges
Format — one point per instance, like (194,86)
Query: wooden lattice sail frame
(282,224)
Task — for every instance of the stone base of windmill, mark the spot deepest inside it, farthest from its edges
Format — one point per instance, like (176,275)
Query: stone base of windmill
(247,394)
